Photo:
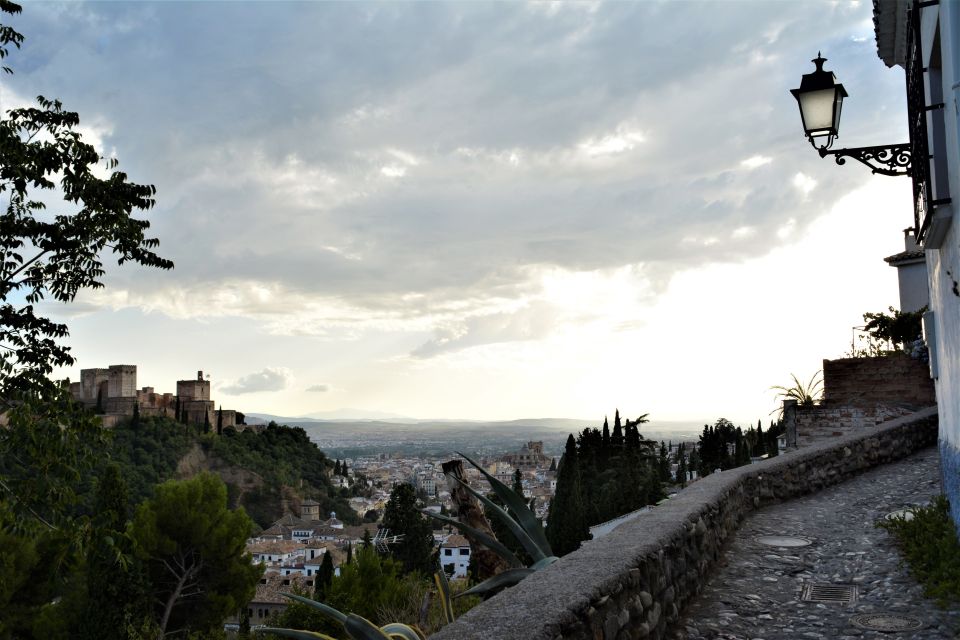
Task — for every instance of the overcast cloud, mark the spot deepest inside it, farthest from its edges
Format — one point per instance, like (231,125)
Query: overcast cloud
(339,170)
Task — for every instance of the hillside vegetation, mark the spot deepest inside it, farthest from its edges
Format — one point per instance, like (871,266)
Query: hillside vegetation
(259,469)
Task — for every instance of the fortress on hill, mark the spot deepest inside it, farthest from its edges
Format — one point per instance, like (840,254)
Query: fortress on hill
(113,394)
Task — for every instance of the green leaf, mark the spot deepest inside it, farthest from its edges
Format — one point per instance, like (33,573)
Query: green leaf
(503,580)
(526,518)
(532,548)
(295,633)
(359,628)
(402,632)
(444,588)
(325,609)
(546,562)
(485,539)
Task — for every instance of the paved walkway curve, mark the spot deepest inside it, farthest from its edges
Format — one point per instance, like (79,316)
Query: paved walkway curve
(755,591)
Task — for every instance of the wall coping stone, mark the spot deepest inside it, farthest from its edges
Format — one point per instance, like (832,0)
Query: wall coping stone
(554,602)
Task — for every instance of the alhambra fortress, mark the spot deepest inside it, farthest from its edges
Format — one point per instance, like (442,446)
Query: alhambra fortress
(113,394)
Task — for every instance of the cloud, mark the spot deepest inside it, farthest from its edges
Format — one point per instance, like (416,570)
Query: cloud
(321,180)
(268,379)
(319,388)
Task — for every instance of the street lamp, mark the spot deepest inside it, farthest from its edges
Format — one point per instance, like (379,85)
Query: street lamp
(820,98)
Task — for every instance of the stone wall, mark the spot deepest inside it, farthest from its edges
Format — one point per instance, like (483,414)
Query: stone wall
(896,378)
(634,582)
(864,392)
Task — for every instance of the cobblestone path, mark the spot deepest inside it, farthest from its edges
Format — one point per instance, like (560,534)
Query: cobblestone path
(755,591)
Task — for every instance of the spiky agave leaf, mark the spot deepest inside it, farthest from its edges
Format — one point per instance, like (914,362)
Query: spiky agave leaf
(325,609)
(483,538)
(525,518)
(500,581)
(444,589)
(359,628)
(295,633)
(400,631)
(532,548)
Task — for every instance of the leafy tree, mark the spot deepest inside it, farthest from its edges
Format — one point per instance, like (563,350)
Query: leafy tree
(415,550)
(899,328)
(113,587)
(56,255)
(193,548)
(566,522)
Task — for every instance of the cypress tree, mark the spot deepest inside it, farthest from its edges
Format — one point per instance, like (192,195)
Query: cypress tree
(553,464)
(220,421)
(349,552)
(136,414)
(681,478)
(518,482)
(616,438)
(336,468)
(566,525)
(343,468)
(324,576)
(206,422)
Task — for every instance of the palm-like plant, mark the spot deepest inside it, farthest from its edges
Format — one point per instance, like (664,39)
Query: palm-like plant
(357,627)
(521,522)
(805,395)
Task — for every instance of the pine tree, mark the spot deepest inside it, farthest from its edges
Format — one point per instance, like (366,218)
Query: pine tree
(566,525)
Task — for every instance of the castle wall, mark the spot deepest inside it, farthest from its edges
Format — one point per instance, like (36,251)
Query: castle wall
(123,381)
(193,390)
(90,380)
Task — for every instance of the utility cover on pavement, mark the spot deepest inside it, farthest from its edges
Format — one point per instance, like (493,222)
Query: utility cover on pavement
(839,593)
(886,622)
(784,541)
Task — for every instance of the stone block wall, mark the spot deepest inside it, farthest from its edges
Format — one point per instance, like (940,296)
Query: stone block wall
(634,582)
(896,378)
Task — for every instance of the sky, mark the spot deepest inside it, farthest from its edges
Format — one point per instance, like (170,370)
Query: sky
(479,210)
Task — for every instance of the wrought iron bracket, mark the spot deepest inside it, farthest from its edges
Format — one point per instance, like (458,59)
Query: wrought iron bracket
(890,160)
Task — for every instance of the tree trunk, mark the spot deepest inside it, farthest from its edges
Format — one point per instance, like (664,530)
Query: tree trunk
(470,513)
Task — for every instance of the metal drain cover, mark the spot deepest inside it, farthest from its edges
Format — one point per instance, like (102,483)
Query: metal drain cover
(839,593)
(784,541)
(886,622)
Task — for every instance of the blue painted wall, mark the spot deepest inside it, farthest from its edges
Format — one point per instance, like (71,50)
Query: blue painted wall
(950,468)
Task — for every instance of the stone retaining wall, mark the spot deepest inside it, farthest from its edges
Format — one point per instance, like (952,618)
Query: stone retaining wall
(634,581)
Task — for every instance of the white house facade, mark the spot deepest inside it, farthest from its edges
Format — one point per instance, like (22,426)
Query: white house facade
(924,39)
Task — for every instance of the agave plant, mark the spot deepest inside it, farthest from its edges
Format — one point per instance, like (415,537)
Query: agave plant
(519,520)
(357,627)
(805,395)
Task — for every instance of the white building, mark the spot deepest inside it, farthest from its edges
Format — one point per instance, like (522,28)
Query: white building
(455,556)
(924,39)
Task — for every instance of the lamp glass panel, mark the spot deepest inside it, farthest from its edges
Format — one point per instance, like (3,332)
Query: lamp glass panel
(836,112)
(816,108)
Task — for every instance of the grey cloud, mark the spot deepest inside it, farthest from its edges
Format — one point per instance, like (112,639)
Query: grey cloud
(268,379)
(530,323)
(337,85)
(319,388)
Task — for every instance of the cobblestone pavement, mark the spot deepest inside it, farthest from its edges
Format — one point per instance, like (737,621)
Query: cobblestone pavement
(755,591)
